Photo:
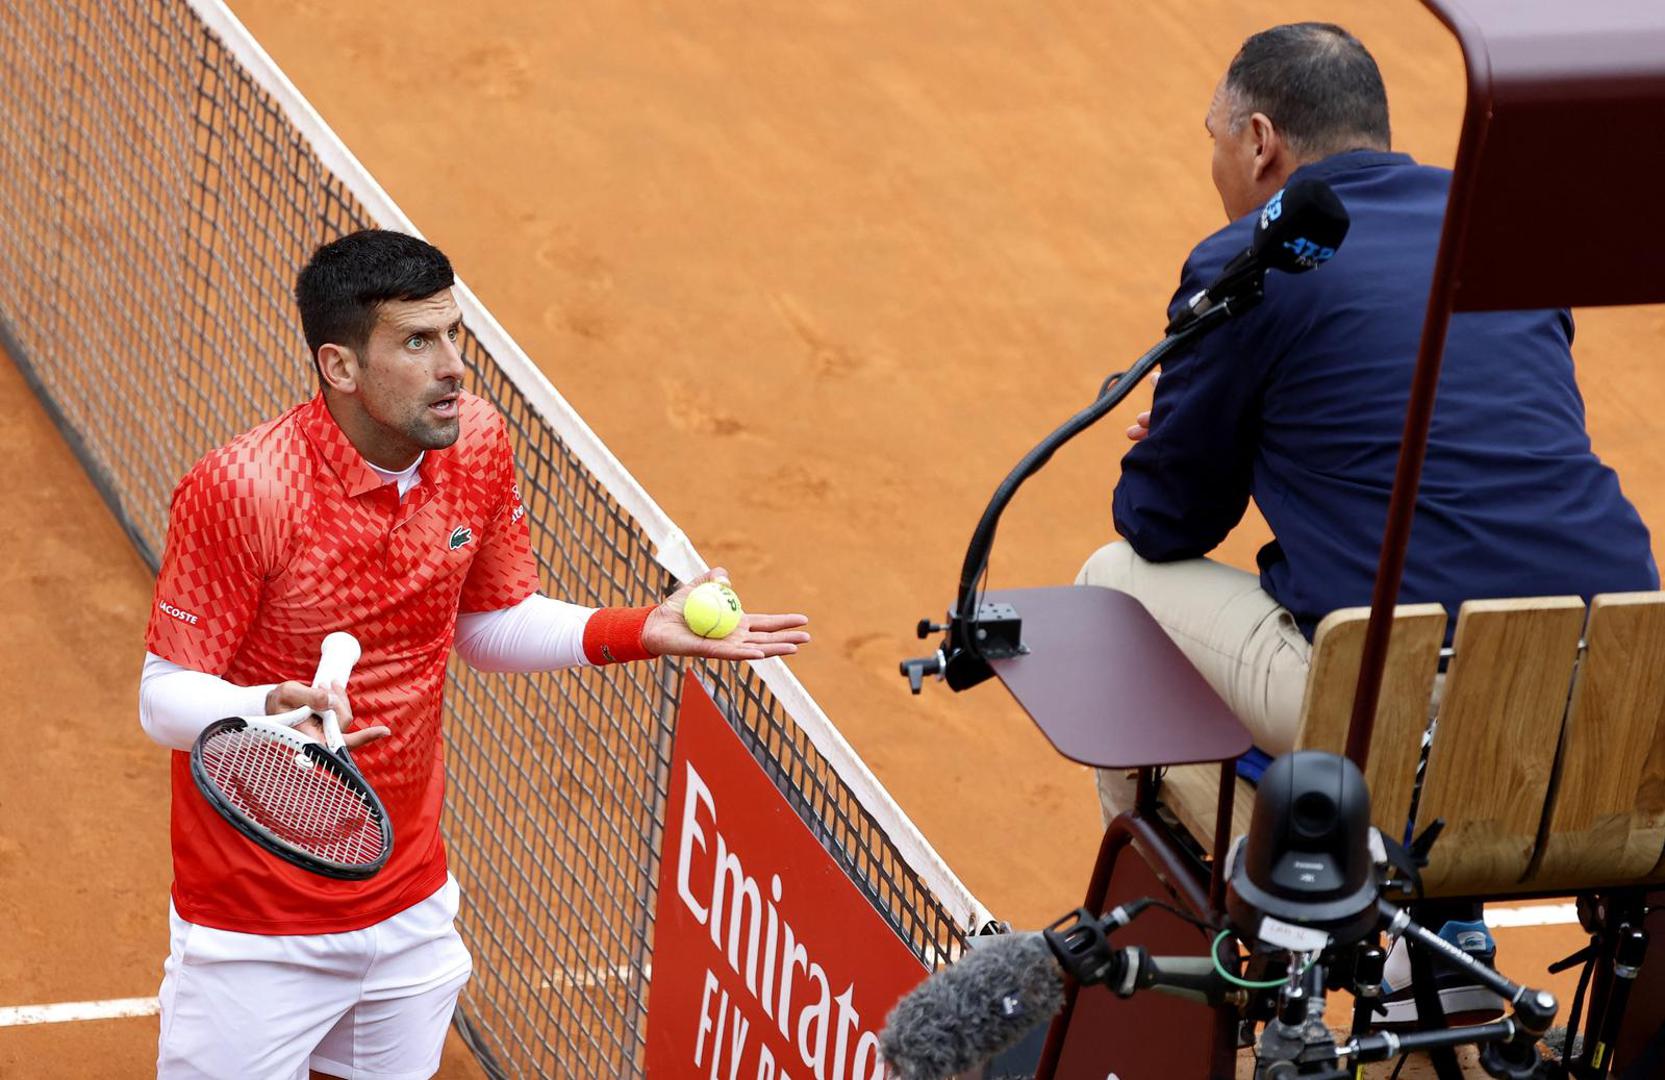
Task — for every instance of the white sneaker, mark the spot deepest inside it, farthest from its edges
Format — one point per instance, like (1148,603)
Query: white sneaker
(1464,1000)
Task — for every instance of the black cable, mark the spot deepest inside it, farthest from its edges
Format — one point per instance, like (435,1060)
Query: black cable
(475,1042)
(1575,1021)
(974,569)
(982,589)
(1200,924)
(1430,1013)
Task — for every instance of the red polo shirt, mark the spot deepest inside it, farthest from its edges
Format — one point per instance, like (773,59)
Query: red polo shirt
(284,535)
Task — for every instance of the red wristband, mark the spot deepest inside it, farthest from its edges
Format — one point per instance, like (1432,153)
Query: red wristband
(614,635)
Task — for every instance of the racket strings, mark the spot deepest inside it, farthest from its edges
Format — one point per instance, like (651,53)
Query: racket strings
(306,803)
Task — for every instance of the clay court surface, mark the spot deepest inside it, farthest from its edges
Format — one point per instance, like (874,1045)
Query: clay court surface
(819,273)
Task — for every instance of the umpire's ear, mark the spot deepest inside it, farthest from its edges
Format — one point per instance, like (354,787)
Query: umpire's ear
(1272,153)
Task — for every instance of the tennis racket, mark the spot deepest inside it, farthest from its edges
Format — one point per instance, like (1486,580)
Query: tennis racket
(304,802)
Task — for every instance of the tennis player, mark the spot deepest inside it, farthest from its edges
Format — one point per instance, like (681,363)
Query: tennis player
(385,506)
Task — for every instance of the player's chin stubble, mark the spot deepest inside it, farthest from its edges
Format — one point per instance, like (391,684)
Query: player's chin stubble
(432,434)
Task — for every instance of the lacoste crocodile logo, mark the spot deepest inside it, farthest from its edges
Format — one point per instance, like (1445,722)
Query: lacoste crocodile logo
(461,535)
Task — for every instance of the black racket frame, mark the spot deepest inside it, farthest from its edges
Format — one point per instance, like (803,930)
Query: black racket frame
(340,764)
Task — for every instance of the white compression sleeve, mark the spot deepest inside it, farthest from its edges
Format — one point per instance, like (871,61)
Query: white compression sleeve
(176,703)
(537,634)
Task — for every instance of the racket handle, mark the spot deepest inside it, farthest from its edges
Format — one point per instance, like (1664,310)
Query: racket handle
(338,654)
(336,658)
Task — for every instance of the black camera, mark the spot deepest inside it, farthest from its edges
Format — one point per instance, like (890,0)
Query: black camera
(1306,871)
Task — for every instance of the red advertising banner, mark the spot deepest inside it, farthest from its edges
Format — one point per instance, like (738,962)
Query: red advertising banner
(768,963)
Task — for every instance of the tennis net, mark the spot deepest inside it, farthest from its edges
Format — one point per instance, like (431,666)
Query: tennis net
(161,182)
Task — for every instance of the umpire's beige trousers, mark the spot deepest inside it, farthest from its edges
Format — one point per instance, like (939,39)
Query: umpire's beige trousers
(1243,642)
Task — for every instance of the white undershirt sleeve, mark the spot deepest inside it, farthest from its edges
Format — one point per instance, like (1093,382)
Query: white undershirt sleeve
(537,634)
(176,703)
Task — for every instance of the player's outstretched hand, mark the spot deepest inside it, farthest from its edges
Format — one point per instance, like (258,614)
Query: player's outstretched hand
(756,637)
(292,695)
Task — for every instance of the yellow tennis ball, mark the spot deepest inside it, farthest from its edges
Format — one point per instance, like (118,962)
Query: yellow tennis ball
(712,610)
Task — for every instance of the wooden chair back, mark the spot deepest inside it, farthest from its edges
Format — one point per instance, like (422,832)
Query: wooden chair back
(1607,816)
(1401,710)
(1548,758)
(1494,747)
(1401,717)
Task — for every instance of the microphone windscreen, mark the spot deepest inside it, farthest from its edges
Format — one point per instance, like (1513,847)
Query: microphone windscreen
(973,1009)
(1300,227)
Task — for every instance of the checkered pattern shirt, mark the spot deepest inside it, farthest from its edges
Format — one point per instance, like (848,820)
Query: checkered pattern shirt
(284,535)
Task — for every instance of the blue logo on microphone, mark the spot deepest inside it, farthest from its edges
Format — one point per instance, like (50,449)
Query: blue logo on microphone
(1307,253)
(1272,210)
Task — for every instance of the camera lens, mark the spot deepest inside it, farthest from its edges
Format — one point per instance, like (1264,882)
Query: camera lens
(1314,815)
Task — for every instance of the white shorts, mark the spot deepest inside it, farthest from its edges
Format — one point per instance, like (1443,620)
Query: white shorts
(370,1004)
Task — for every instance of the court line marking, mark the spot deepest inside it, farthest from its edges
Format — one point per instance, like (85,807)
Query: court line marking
(1536,915)
(21,1015)
(593,978)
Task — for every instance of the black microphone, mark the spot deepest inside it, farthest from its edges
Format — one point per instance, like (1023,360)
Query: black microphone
(1299,229)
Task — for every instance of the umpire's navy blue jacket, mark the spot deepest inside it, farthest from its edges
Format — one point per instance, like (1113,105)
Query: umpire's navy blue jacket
(1301,402)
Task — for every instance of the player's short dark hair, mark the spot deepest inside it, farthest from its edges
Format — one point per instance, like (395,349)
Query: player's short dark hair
(1317,83)
(340,288)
